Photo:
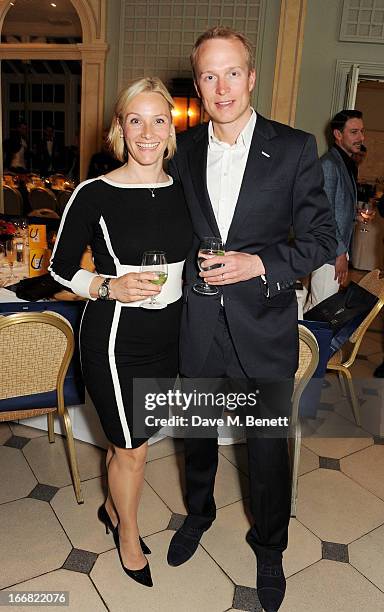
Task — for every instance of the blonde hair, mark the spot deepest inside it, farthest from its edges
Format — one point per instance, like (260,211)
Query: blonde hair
(147,84)
(228,34)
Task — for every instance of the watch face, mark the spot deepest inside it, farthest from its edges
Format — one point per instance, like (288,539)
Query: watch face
(103,291)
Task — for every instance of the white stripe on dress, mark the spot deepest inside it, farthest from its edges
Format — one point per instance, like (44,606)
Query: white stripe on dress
(108,242)
(115,375)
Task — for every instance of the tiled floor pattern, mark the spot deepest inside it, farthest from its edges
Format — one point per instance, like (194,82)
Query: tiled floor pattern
(334,562)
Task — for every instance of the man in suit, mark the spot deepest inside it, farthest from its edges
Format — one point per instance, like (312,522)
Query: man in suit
(340,184)
(50,153)
(248,180)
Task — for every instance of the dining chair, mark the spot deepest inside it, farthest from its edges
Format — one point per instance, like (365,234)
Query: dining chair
(13,201)
(308,361)
(33,373)
(41,197)
(62,200)
(344,358)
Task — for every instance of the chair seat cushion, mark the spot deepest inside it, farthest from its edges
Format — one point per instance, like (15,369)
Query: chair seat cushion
(74,393)
(73,396)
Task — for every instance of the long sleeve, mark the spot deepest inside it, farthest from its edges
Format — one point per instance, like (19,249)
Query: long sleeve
(75,233)
(313,227)
(331,186)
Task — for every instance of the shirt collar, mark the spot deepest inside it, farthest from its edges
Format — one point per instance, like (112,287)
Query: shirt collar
(244,139)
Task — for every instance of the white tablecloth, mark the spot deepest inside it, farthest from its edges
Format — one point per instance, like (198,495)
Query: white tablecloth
(368,247)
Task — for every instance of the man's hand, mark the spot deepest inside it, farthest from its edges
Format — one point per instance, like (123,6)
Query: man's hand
(235,267)
(341,269)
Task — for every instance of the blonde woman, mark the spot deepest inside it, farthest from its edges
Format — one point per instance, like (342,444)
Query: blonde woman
(135,208)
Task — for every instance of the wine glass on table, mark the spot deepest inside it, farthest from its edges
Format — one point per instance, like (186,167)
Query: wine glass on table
(10,248)
(3,254)
(366,213)
(155,261)
(209,246)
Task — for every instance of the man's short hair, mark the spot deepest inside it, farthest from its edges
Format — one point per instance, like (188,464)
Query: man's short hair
(341,118)
(226,33)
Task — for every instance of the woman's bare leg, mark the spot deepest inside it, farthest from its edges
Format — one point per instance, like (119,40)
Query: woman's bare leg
(125,481)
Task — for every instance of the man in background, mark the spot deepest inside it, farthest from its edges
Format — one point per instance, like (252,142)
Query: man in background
(50,154)
(340,184)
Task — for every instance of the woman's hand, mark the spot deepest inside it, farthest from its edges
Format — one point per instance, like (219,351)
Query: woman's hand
(134,287)
(130,287)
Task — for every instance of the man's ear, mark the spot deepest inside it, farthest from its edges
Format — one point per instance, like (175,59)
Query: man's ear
(252,79)
(337,135)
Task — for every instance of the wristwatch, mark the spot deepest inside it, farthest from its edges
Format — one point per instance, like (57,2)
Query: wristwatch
(103,291)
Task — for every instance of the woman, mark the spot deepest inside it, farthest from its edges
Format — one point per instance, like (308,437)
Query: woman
(134,208)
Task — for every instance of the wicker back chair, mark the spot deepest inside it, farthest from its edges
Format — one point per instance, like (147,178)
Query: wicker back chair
(345,357)
(13,202)
(42,348)
(308,361)
(40,197)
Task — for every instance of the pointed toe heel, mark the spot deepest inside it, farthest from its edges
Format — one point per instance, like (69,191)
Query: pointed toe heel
(142,576)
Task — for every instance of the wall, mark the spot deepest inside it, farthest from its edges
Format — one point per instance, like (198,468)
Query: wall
(370,99)
(112,64)
(320,52)
(157,37)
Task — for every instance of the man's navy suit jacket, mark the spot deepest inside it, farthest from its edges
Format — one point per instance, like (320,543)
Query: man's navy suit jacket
(281,191)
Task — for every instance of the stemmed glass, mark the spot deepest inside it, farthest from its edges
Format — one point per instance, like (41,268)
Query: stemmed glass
(3,253)
(209,245)
(365,210)
(10,249)
(155,261)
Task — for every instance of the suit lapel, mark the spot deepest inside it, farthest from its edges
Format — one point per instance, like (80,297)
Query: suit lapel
(257,169)
(197,158)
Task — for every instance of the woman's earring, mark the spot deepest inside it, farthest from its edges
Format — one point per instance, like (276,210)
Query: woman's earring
(121,135)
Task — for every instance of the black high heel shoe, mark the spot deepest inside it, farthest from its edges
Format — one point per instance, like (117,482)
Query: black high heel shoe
(104,518)
(142,576)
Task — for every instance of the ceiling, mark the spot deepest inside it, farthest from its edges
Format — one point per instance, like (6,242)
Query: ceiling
(28,20)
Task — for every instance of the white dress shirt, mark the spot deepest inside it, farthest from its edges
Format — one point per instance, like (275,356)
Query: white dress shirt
(225,170)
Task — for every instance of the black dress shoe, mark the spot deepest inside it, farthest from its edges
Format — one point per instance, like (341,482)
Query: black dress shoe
(270,584)
(143,575)
(183,545)
(104,517)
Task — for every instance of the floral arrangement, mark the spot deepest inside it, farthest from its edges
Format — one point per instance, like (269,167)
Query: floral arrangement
(7,228)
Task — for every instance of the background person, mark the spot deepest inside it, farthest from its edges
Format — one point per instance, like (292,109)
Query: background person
(16,150)
(50,154)
(133,209)
(340,184)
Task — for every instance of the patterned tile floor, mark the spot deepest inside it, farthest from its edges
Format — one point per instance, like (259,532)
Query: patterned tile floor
(334,561)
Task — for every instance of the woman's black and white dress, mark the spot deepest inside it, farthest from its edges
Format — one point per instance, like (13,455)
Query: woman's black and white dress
(120,342)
